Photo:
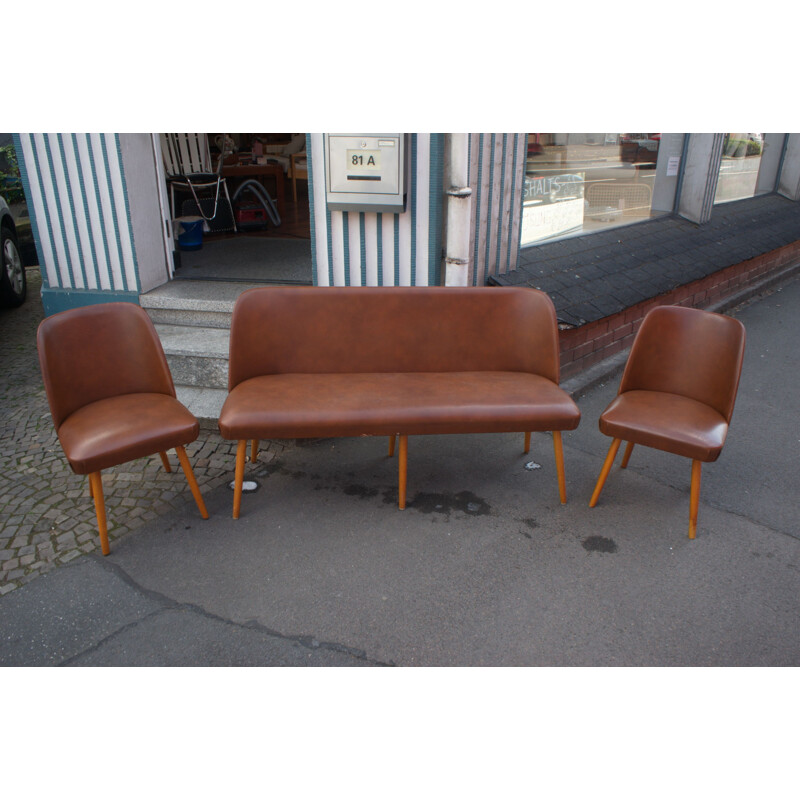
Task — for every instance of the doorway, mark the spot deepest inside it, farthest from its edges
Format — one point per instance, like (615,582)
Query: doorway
(268,245)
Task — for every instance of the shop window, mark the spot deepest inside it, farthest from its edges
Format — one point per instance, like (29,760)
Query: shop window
(738,169)
(583,182)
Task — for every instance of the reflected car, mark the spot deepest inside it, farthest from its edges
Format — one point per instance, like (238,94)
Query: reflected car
(13,282)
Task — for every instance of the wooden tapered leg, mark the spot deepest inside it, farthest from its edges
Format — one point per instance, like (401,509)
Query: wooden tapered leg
(191,480)
(391,445)
(96,484)
(254,451)
(241,457)
(403,468)
(694,502)
(562,478)
(612,454)
(627,455)
(165,461)
(527,447)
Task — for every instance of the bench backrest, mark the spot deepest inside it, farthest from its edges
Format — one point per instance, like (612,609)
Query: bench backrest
(315,329)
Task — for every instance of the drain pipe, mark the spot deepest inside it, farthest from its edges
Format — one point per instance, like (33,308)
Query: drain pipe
(459,208)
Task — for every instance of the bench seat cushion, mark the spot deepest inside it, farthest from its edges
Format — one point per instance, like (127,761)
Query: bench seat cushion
(294,405)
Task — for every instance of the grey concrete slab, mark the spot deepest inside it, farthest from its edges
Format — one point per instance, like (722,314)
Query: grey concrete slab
(185,637)
(484,567)
(91,614)
(67,611)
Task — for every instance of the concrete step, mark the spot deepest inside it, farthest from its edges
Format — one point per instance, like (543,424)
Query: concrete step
(197,357)
(204,403)
(193,321)
(202,304)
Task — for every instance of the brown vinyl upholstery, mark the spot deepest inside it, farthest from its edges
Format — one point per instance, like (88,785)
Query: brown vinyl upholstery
(351,361)
(678,390)
(111,393)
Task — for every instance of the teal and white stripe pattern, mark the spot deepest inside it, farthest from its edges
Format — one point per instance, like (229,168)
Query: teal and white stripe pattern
(76,186)
(496,175)
(380,249)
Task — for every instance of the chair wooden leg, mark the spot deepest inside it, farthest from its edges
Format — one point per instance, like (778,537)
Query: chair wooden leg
(527,447)
(254,451)
(403,469)
(694,502)
(165,461)
(627,455)
(192,481)
(391,445)
(96,484)
(241,457)
(562,478)
(612,454)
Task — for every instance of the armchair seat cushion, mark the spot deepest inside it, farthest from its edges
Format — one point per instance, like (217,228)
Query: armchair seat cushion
(667,422)
(301,405)
(115,430)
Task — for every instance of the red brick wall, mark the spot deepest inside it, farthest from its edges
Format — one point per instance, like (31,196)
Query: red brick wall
(586,345)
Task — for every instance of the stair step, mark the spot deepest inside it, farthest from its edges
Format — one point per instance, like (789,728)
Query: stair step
(197,357)
(202,304)
(203,402)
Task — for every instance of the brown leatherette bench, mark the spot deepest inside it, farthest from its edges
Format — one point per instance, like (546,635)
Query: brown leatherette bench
(319,362)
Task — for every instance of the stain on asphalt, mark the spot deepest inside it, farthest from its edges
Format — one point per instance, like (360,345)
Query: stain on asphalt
(599,544)
(356,490)
(446,504)
(532,524)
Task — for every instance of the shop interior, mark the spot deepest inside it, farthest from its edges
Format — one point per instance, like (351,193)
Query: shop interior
(253,207)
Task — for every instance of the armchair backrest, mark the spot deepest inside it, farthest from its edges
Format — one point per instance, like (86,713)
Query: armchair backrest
(98,351)
(688,352)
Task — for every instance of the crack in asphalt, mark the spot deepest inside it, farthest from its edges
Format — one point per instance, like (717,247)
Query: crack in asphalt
(168,604)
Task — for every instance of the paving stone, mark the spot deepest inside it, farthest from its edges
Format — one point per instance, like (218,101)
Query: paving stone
(47,517)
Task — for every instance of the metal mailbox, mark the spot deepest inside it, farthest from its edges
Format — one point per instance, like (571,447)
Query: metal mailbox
(366,171)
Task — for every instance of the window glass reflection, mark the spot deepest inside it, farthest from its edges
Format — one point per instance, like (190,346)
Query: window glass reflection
(738,170)
(582,182)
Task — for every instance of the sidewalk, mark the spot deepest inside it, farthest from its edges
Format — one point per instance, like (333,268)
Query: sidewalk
(46,514)
(484,567)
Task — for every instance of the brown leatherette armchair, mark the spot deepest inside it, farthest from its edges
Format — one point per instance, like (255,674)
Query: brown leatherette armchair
(677,391)
(111,394)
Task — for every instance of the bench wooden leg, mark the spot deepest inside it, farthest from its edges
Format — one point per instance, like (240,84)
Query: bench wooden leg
(403,468)
(254,451)
(626,457)
(391,445)
(562,479)
(612,454)
(527,447)
(241,457)
(165,462)
(694,502)
(96,484)
(192,481)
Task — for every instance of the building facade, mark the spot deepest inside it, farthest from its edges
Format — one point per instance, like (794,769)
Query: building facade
(477,205)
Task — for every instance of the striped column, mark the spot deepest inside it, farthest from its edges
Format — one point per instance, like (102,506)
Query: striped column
(497,165)
(351,248)
(75,187)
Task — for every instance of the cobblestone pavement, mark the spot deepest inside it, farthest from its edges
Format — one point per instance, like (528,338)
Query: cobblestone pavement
(46,514)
